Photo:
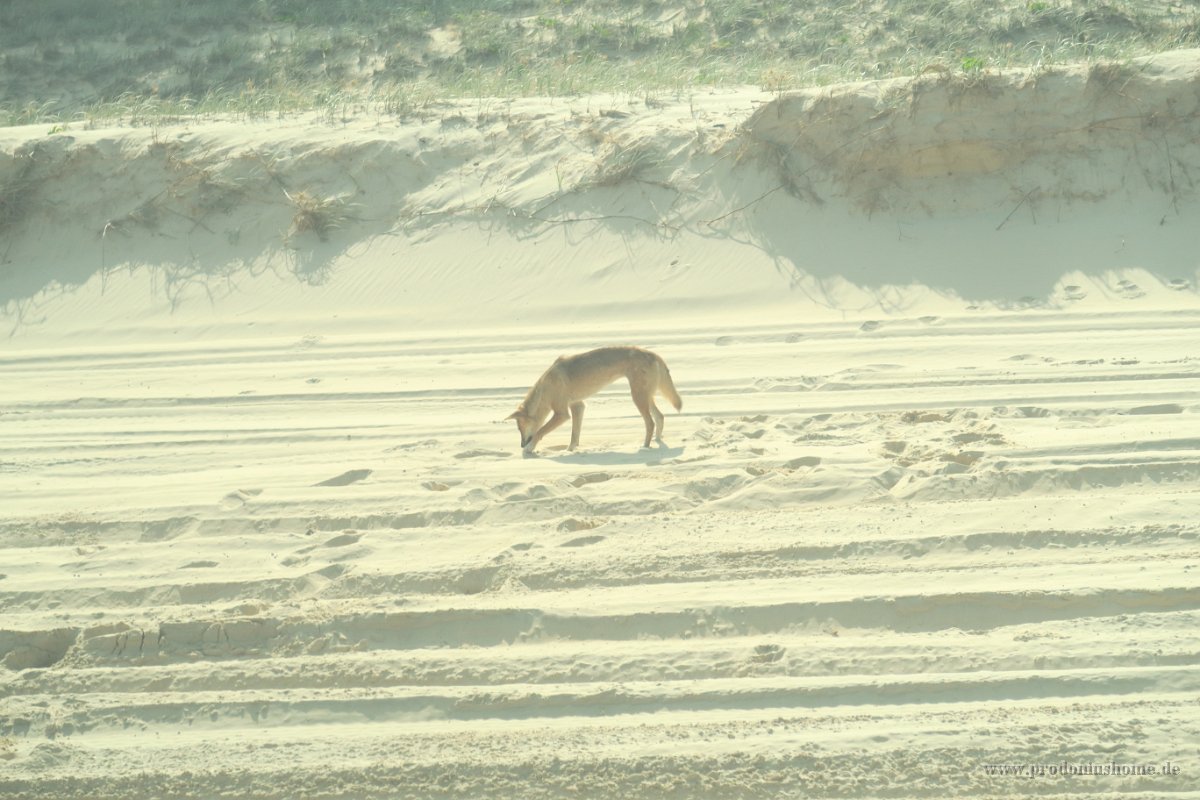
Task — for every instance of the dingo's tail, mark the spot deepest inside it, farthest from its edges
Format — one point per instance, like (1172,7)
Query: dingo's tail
(667,387)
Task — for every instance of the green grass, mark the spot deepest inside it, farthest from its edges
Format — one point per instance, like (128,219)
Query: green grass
(65,60)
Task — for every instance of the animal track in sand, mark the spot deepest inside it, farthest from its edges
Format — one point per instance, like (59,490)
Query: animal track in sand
(724,341)
(537,491)
(343,539)
(767,653)
(920,417)
(1179,284)
(590,477)
(1073,293)
(789,384)
(571,524)
(583,541)
(964,458)
(870,325)
(483,454)
(238,498)
(423,444)
(792,338)
(1162,408)
(803,461)
(308,342)
(173,528)
(1129,290)
(346,478)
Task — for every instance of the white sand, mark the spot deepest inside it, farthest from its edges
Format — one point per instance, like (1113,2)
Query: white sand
(931,504)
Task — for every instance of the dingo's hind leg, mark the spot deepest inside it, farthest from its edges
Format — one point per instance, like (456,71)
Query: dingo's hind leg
(643,401)
(658,420)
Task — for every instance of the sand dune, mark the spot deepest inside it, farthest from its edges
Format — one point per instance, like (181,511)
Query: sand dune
(929,509)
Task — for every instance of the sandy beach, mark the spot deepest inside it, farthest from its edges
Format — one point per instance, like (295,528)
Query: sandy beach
(925,526)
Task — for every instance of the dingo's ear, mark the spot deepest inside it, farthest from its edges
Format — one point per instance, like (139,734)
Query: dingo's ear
(514,415)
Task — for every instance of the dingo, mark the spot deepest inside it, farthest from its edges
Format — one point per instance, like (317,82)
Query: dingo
(572,378)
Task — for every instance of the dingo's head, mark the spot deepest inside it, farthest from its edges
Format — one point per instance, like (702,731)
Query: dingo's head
(526,425)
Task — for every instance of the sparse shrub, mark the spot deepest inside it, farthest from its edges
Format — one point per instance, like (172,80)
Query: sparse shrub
(972,64)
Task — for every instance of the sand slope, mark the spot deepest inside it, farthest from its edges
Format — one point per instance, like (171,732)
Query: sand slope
(930,505)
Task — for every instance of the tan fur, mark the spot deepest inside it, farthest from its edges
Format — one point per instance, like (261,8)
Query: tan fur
(570,379)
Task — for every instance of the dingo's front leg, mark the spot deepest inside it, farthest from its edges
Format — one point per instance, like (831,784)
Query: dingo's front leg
(576,422)
(558,419)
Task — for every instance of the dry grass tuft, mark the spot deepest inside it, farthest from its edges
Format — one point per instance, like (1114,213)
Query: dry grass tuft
(319,215)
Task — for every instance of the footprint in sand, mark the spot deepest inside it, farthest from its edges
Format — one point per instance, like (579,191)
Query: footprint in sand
(963,458)
(583,541)
(308,342)
(870,325)
(590,477)
(767,653)
(1179,284)
(238,498)
(346,478)
(482,454)
(1073,293)
(792,338)
(343,539)
(723,341)
(1162,408)
(571,524)
(803,461)
(1129,290)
